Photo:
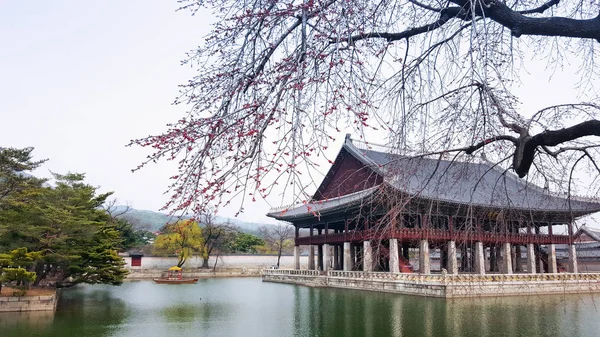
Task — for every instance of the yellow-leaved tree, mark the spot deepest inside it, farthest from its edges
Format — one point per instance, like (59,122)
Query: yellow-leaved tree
(183,238)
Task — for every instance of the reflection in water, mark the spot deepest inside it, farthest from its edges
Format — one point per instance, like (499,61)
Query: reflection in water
(180,313)
(248,307)
(37,319)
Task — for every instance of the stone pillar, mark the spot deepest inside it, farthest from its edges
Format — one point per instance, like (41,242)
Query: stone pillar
(479,258)
(359,257)
(347,257)
(311,257)
(518,260)
(530,259)
(552,267)
(464,258)
(296,257)
(493,262)
(326,257)
(424,262)
(352,256)
(368,256)
(506,259)
(452,263)
(320,257)
(498,254)
(573,268)
(394,256)
(336,258)
(443,258)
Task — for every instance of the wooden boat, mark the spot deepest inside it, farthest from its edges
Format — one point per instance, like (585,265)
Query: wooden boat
(175,281)
(175,276)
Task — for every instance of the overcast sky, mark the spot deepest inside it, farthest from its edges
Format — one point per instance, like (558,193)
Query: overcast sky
(79,79)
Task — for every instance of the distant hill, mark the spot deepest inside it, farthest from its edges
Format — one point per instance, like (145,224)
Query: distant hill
(153,221)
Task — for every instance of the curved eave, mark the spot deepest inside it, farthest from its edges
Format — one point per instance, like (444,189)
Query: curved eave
(323,207)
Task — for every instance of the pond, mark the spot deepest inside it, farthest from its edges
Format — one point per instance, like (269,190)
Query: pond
(249,307)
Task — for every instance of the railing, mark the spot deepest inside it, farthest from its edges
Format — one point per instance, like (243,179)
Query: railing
(439,278)
(433,235)
(291,272)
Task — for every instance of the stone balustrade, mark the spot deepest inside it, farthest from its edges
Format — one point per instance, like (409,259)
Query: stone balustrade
(442,285)
(291,272)
(440,277)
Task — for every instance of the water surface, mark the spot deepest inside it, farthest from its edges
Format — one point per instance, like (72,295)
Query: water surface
(249,307)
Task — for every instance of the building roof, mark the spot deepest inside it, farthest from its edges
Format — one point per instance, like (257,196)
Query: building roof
(319,207)
(468,183)
(594,234)
(481,184)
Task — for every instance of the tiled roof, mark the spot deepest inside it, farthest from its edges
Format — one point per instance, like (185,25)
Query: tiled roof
(592,233)
(467,183)
(479,184)
(321,206)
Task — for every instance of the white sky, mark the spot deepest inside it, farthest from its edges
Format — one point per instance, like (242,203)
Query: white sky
(79,79)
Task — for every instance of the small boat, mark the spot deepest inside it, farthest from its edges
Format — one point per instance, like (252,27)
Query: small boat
(175,276)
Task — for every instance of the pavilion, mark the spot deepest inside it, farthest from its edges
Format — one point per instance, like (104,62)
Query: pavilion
(374,210)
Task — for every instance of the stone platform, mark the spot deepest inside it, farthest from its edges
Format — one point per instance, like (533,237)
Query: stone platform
(442,285)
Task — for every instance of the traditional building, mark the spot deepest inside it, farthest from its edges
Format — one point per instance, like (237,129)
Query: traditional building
(376,211)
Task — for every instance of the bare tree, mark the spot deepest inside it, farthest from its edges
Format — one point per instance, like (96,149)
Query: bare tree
(114,210)
(278,237)
(278,80)
(214,235)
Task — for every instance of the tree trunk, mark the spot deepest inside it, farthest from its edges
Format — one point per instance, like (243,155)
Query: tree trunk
(279,257)
(40,272)
(215,265)
(205,263)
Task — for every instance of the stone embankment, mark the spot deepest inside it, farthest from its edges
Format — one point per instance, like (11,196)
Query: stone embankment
(443,285)
(28,303)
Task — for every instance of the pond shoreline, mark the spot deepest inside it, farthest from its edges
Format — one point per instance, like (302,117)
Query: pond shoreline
(148,274)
